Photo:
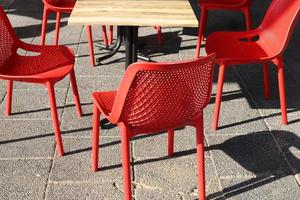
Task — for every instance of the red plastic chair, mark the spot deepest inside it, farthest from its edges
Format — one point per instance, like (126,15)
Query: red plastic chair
(145,103)
(264,44)
(51,64)
(235,5)
(66,6)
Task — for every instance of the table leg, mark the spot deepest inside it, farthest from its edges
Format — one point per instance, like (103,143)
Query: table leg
(115,48)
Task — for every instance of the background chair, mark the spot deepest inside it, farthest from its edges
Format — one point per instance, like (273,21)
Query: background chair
(51,64)
(206,5)
(264,44)
(145,103)
(66,6)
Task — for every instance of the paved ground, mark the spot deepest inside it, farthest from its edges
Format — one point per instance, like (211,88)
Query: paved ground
(252,156)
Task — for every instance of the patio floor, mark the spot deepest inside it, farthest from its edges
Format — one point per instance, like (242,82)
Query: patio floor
(251,156)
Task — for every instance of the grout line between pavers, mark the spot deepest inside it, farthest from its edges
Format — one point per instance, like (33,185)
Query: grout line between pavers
(27,158)
(61,116)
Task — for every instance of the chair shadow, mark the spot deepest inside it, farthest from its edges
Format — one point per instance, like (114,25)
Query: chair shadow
(259,153)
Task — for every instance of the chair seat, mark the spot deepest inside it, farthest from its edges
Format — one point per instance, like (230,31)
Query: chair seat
(233,47)
(104,101)
(222,3)
(47,62)
(62,5)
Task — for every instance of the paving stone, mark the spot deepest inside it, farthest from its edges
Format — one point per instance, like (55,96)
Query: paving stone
(23,179)
(155,146)
(23,108)
(293,159)
(25,23)
(252,155)
(156,194)
(72,126)
(252,75)
(105,191)
(76,164)
(288,141)
(6,4)
(27,5)
(270,109)
(26,139)
(273,187)
(88,85)
(114,66)
(2,93)
(238,114)
(168,174)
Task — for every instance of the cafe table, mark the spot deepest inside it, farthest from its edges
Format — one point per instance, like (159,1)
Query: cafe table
(128,15)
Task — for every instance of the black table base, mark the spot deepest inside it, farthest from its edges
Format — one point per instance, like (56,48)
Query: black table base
(128,34)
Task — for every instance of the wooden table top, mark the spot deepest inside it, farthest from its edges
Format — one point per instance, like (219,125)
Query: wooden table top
(134,13)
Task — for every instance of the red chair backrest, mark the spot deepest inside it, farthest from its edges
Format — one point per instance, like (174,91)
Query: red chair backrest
(278,25)
(156,96)
(7,38)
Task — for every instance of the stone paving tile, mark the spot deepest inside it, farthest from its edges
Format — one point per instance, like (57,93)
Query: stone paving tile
(103,191)
(111,67)
(28,5)
(252,155)
(273,187)
(293,159)
(76,164)
(72,126)
(24,179)
(23,108)
(26,139)
(157,194)
(175,175)
(252,75)
(26,24)
(270,109)
(2,93)
(235,99)
(155,146)
(88,85)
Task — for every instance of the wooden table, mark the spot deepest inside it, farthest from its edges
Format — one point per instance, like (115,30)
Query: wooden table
(129,14)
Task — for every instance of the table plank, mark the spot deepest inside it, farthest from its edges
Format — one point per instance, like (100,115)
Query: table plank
(134,13)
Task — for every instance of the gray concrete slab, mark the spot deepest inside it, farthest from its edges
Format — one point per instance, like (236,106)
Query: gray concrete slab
(24,179)
(26,139)
(23,108)
(84,191)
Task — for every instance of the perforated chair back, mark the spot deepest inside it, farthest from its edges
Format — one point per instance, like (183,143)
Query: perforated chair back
(278,25)
(157,96)
(7,38)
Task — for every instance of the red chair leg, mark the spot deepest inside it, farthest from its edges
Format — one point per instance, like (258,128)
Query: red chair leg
(159,35)
(55,121)
(218,97)
(44,26)
(266,80)
(57,25)
(91,47)
(247,14)
(281,85)
(126,162)
(170,142)
(202,25)
(95,149)
(9,97)
(201,159)
(111,34)
(75,93)
(104,35)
